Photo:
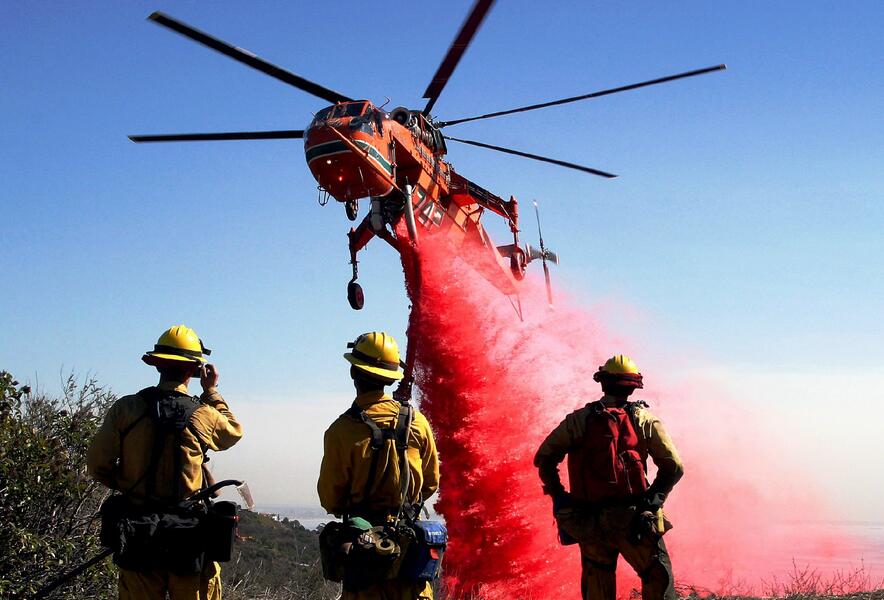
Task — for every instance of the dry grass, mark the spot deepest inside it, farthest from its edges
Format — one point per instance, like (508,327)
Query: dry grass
(801,583)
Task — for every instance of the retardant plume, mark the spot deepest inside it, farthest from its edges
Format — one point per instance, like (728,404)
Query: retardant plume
(493,387)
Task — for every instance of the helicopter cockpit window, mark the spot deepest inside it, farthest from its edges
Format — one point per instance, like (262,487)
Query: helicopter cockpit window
(350,109)
(323,114)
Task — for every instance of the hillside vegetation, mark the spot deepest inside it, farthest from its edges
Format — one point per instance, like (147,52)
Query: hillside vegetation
(48,504)
(276,559)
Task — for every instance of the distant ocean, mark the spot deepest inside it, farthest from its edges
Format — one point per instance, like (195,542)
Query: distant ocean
(866,548)
(308,516)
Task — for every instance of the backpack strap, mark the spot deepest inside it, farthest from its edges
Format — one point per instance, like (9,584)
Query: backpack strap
(379,437)
(170,413)
(376,442)
(149,396)
(205,450)
(596,407)
(403,428)
(632,409)
(145,395)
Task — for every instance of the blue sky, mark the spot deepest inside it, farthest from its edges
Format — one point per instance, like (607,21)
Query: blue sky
(746,223)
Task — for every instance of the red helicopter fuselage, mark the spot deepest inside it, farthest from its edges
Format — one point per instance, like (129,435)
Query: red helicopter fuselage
(356,150)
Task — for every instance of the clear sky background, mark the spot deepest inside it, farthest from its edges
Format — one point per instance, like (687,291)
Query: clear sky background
(745,229)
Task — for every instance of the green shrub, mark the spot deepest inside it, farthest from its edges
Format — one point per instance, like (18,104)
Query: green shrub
(48,504)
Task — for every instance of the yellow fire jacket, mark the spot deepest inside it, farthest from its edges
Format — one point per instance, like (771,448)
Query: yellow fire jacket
(124,466)
(343,476)
(570,432)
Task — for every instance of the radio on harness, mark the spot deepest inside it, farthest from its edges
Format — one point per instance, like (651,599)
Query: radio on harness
(361,554)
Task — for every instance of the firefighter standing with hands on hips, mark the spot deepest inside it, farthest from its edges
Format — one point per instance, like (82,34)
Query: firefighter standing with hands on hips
(379,463)
(151,448)
(610,509)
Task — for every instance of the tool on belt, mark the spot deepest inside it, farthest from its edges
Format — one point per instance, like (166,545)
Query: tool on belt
(180,538)
(359,554)
(218,524)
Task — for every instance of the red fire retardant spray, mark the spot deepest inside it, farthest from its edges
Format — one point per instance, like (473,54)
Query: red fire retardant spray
(493,386)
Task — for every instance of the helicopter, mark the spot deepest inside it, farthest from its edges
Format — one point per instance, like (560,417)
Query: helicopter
(356,150)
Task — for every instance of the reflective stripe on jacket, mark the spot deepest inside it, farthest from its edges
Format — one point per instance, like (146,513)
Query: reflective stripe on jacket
(120,462)
(346,461)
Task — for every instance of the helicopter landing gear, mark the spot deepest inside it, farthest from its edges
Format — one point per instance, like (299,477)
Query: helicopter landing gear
(351,207)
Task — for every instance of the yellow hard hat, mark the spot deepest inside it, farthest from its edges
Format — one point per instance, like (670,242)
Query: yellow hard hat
(178,343)
(376,353)
(619,364)
(619,370)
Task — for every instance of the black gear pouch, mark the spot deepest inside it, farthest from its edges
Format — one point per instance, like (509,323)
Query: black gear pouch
(112,510)
(219,525)
(333,540)
(166,541)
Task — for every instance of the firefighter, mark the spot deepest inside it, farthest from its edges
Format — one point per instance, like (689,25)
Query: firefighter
(610,509)
(359,482)
(133,455)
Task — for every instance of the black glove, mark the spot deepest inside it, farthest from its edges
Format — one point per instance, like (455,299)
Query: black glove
(652,502)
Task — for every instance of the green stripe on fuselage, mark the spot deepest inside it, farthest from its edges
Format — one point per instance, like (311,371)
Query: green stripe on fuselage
(337,146)
(379,158)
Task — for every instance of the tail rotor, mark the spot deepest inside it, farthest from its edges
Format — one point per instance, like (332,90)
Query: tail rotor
(544,254)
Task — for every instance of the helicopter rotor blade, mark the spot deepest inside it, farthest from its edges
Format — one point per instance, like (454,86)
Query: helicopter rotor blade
(598,94)
(455,52)
(539,231)
(548,284)
(554,161)
(545,255)
(246,57)
(283,134)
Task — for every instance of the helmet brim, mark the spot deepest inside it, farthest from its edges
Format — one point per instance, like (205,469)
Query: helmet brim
(380,372)
(152,357)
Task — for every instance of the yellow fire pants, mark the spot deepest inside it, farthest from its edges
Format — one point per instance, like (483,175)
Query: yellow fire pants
(604,535)
(393,590)
(153,585)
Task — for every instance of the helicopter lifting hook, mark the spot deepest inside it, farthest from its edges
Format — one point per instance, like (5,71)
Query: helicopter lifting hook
(355,295)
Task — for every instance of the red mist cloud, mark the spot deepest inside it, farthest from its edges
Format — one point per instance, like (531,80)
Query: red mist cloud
(493,386)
